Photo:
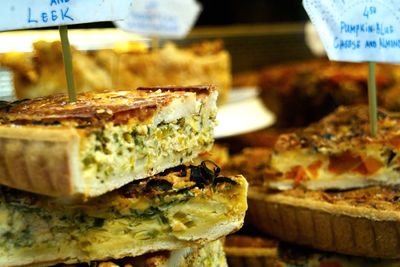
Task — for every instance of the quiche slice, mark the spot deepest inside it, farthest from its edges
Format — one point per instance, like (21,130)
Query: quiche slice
(181,207)
(339,153)
(208,255)
(103,140)
(360,222)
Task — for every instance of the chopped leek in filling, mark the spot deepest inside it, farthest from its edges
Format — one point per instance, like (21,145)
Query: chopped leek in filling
(123,149)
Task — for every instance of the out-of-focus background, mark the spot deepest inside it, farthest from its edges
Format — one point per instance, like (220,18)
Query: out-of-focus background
(255,52)
(232,41)
(271,31)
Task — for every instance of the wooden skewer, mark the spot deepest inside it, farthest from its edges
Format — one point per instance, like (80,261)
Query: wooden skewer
(66,49)
(373,113)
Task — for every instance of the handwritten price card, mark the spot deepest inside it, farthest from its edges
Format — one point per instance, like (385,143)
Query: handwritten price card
(20,14)
(358,30)
(168,18)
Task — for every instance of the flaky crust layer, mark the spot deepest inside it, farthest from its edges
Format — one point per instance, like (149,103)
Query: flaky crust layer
(352,230)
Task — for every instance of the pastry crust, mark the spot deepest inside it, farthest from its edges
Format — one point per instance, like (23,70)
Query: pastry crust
(246,246)
(37,159)
(338,227)
(57,148)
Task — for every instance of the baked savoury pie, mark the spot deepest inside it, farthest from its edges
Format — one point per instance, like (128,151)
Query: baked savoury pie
(103,140)
(181,207)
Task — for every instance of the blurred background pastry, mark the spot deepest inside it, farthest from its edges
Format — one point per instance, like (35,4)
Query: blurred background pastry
(128,66)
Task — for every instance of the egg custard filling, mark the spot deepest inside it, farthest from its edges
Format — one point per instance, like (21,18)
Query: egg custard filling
(120,150)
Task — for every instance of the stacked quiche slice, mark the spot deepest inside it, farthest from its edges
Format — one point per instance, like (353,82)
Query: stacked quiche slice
(103,180)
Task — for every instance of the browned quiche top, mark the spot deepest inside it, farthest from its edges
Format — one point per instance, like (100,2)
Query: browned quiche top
(105,106)
(377,197)
(345,128)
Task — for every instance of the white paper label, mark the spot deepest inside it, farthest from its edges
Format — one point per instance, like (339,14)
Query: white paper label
(21,14)
(168,18)
(313,41)
(358,30)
